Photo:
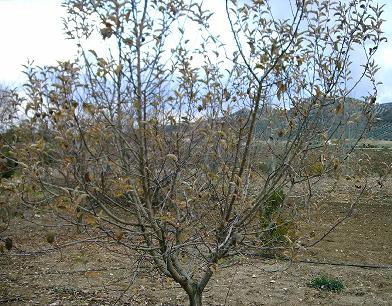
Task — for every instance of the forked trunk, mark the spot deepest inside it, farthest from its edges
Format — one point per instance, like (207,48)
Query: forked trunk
(195,289)
(195,298)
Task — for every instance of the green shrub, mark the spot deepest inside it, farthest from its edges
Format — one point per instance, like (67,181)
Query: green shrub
(273,203)
(263,167)
(8,164)
(49,154)
(326,284)
(274,227)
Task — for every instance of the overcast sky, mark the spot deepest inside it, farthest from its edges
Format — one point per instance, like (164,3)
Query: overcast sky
(33,29)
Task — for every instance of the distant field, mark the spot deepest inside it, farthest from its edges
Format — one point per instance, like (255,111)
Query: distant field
(377,143)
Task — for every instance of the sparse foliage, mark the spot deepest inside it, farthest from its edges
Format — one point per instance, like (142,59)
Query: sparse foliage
(155,140)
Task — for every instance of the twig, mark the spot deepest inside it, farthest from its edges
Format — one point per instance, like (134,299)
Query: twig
(365,266)
(315,262)
(70,272)
(231,284)
(11,299)
(348,215)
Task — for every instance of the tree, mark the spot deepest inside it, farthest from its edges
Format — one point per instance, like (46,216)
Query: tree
(10,103)
(9,106)
(183,152)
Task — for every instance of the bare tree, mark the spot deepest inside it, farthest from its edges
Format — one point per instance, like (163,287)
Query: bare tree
(182,150)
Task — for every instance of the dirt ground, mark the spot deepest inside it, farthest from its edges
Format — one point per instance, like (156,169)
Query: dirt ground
(87,274)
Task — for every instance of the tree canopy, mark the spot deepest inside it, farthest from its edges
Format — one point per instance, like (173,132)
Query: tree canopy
(188,154)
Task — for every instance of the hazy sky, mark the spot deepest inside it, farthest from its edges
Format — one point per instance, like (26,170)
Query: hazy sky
(33,29)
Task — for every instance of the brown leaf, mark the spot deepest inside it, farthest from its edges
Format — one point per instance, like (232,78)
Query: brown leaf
(87,177)
(50,237)
(8,243)
(339,108)
(119,235)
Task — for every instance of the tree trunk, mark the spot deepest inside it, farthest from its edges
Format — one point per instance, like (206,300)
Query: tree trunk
(195,298)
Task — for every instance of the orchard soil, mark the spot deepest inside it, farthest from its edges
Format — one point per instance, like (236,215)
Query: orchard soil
(90,273)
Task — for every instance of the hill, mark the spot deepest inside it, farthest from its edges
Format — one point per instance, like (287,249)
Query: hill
(353,114)
(382,128)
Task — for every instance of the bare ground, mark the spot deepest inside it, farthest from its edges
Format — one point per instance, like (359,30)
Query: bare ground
(87,274)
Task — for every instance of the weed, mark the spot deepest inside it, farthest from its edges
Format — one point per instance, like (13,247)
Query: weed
(326,284)
(65,290)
